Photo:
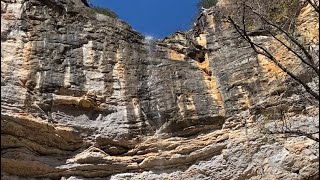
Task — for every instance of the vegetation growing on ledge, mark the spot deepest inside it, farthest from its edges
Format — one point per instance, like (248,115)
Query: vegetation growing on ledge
(207,3)
(101,10)
(105,11)
(86,2)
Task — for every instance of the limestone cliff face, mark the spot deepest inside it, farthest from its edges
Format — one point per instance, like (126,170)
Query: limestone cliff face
(84,96)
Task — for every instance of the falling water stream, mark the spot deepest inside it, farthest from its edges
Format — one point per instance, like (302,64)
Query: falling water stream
(150,46)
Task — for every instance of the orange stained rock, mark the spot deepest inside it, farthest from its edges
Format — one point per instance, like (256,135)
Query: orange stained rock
(205,64)
(215,93)
(282,55)
(308,27)
(308,24)
(174,55)
(84,102)
(26,56)
(297,147)
(202,40)
(24,167)
(212,83)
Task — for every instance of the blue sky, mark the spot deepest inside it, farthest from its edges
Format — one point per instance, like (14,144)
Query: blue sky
(157,18)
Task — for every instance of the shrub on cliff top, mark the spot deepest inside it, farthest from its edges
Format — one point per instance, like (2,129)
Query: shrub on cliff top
(207,3)
(101,10)
(86,2)
(281,12)
(105,11)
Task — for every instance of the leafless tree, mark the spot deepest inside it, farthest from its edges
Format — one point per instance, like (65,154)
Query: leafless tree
(292,44)
(295,47)
(314,4)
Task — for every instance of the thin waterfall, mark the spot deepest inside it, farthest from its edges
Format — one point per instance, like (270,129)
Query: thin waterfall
(150,46)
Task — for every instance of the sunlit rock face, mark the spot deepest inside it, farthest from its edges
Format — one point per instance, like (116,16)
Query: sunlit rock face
(83,96)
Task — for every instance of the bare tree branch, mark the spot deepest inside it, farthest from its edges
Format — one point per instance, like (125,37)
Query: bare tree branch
(313,66)
(298,133)
(293,46)
(262,51)
(314,5)
(304,50)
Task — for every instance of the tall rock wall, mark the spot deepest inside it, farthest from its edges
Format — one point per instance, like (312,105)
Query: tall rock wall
(84,96)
